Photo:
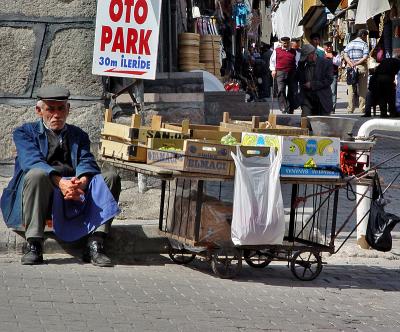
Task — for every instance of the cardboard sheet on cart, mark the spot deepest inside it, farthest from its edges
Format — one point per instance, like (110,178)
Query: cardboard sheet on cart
(302,156)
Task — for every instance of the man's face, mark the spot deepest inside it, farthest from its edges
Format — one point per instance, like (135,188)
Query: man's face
(285,43)
(54,113)
(315,42)
(295,45)
(328,48)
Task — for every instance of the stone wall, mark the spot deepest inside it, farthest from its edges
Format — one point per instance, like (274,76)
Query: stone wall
(42,43)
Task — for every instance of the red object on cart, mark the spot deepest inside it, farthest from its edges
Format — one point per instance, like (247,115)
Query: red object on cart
(349,162)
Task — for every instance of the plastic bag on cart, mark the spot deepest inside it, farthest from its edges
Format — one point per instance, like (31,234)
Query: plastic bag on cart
(380,223)
(258,214)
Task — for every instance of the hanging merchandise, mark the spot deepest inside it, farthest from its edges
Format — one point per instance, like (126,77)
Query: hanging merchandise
(254,24)
(207,25)
(258,214)
(266,23)
(240,13)
(196,12)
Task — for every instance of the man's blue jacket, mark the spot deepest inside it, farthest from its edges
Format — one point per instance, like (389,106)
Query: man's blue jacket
(32,149)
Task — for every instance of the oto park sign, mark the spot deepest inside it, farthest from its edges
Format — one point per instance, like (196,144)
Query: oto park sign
(126,38)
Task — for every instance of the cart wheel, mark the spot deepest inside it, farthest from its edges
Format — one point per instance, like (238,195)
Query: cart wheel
(306,265)
(226,264)
(181,256)
(257,258)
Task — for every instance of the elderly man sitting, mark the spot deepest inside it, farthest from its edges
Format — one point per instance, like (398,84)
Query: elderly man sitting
(56,176)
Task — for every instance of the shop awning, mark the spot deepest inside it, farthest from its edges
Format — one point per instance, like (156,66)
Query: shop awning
(312,16)
(286,18)
(331,4)
(367,9)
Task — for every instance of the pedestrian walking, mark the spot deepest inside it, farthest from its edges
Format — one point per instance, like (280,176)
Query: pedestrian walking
(283,63)
(382,87)
(315,40)
(356,56)
(57,176)
(315,77)
(295,43)
(336,62)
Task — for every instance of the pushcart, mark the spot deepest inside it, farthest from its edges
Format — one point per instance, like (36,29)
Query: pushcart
(196,210)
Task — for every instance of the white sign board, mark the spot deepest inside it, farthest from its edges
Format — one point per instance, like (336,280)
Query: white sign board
(126,39)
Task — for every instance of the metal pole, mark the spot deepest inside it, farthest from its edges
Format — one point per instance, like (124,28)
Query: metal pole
(139,108)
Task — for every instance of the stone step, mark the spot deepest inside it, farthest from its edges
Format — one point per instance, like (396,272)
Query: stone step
(128,237)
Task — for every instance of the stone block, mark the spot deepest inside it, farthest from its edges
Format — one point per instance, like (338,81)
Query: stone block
(52,8)
(88,117)
(16,56)
(175,112)
(12,117)
(175,82)
(69,63)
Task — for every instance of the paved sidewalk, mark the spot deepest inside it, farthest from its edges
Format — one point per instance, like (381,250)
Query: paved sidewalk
(155,295)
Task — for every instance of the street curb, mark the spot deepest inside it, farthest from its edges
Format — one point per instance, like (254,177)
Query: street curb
(125,239)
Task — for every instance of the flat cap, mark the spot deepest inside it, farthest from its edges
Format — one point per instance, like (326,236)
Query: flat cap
(285,38)
(328,42)
(53,92)
(306,50)
(295,40)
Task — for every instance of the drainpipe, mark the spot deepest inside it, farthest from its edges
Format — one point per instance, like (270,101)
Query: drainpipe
(364,132)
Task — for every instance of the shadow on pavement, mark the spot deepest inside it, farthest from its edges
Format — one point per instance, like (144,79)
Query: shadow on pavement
(142,260)
(332,276)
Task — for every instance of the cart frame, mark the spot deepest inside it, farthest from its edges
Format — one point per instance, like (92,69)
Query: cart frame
(302,254)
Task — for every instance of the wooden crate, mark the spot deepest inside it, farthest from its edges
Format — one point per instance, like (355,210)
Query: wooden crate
(205,132)
(137,133)
(256,126)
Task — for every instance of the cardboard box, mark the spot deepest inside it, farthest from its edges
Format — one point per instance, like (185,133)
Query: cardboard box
(300,151)
(181,162)
(198,156)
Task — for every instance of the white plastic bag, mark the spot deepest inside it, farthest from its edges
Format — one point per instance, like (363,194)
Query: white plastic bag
(258,214)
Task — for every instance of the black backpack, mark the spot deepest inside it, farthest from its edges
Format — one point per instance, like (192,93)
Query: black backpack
(352,76)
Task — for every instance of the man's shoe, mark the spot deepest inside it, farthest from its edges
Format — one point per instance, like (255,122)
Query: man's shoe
(33,254)
(94,253)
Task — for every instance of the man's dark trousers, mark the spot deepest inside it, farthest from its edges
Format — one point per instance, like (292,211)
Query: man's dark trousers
(286,79)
